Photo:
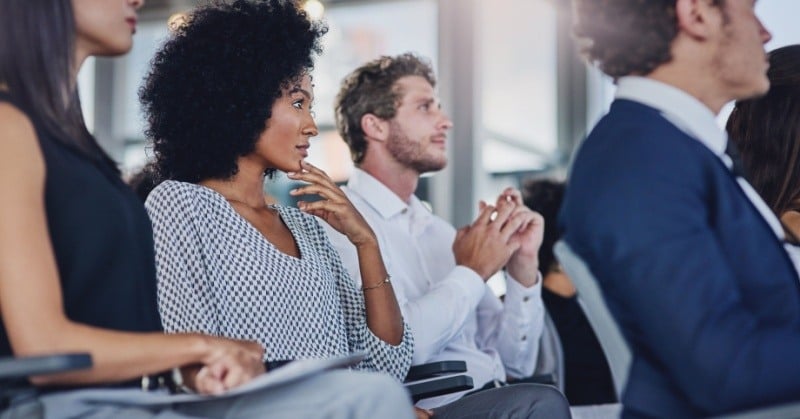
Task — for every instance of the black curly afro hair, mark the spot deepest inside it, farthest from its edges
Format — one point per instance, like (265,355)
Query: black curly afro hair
(211,87)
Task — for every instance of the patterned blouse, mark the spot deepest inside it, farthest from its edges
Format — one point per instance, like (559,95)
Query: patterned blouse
(218,275)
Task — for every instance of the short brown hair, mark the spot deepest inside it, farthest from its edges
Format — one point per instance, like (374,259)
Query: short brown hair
(627,37)
(372,88)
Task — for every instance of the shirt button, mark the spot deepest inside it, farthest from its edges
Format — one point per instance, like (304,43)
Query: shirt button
(404,211)
(524,338)
(526,299)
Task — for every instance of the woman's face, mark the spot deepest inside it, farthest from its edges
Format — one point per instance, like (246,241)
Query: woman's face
(285,141)
(104,27)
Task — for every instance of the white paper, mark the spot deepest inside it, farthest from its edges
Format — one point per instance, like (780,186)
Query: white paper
(288,373)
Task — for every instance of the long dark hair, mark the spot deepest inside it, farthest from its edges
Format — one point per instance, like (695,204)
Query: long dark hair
(37,54)
(767,133)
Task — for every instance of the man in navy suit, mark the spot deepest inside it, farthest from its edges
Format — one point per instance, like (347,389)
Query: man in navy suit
(692,263)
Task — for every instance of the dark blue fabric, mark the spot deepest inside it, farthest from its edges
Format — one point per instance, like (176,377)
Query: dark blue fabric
(705,295)
(102,241)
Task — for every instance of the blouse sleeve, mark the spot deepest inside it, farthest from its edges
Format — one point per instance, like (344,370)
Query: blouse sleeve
(185,300)
(381,356)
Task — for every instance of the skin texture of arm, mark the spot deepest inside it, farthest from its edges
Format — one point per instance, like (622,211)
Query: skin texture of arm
(791,221)
(31,294)
(383,313)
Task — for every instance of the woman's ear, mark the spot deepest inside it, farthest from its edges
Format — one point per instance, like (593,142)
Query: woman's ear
(375,128)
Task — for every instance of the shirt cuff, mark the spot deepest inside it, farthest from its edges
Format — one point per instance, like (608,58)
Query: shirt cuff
(470,282)
(517,295)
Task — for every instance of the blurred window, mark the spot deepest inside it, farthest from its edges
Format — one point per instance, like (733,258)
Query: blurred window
(518,82)
(360,32)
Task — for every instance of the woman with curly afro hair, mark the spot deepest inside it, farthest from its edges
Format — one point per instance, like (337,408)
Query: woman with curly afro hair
(228,102)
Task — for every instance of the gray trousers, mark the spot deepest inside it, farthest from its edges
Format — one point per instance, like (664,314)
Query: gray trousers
(516,401)
(330,395)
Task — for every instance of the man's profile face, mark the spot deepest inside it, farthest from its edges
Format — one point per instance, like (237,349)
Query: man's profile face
(740,62)
(418,132)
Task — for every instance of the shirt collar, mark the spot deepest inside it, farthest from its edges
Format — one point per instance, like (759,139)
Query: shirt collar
(376,194)
(680,108)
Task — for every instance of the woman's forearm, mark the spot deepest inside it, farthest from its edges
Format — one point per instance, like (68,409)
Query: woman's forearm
(383,313)
(119,356)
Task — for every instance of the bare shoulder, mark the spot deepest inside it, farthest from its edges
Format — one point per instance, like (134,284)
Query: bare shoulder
(20,156)
(791,219)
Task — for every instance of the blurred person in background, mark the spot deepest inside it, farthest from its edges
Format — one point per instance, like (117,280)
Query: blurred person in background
(587,378)
(692,263)
(767,132)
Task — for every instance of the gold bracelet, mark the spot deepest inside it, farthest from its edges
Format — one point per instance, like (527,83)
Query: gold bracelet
(380,284)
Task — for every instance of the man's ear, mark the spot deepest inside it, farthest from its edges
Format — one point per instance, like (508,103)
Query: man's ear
(374,127)
(699,19)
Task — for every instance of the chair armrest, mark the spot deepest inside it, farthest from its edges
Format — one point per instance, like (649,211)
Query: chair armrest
(439,386)
(433,369)
(11,368)
(14,387)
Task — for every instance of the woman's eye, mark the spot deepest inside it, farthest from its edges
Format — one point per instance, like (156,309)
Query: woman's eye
(298,104)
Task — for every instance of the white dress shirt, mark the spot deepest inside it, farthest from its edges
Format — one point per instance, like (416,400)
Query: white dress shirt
(696,119)
(452,313)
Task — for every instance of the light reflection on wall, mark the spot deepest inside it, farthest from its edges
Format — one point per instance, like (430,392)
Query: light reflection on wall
(358,33)
(518,80)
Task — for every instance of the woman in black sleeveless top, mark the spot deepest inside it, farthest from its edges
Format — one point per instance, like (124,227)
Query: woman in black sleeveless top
(76,249)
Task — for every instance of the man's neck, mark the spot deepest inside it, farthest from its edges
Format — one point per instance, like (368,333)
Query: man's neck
(693,69)
(693,84)
(402,181)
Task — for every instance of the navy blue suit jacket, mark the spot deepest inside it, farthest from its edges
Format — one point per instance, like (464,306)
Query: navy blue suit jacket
(705,295)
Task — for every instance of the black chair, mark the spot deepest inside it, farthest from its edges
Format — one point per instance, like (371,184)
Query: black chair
(437,379)
(14,372)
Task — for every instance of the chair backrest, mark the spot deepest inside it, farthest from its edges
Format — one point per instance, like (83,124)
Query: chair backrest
(605,327)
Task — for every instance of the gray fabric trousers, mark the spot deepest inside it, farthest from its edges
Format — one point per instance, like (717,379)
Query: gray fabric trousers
(330,395)
(516,401)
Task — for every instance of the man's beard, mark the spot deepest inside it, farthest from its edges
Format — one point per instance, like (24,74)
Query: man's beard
(411,154)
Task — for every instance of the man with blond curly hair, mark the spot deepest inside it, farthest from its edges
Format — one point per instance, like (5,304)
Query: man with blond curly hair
(389,114)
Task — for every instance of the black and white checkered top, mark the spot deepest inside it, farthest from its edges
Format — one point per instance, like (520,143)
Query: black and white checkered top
(218,275)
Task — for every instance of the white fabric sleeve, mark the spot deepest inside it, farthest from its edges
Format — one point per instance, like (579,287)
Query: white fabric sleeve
(514,327)
(436,317)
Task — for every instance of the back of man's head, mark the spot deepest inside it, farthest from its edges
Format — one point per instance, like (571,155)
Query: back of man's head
(627,37)
(372,89)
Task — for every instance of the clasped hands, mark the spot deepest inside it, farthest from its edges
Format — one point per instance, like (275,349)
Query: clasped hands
(504,234)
